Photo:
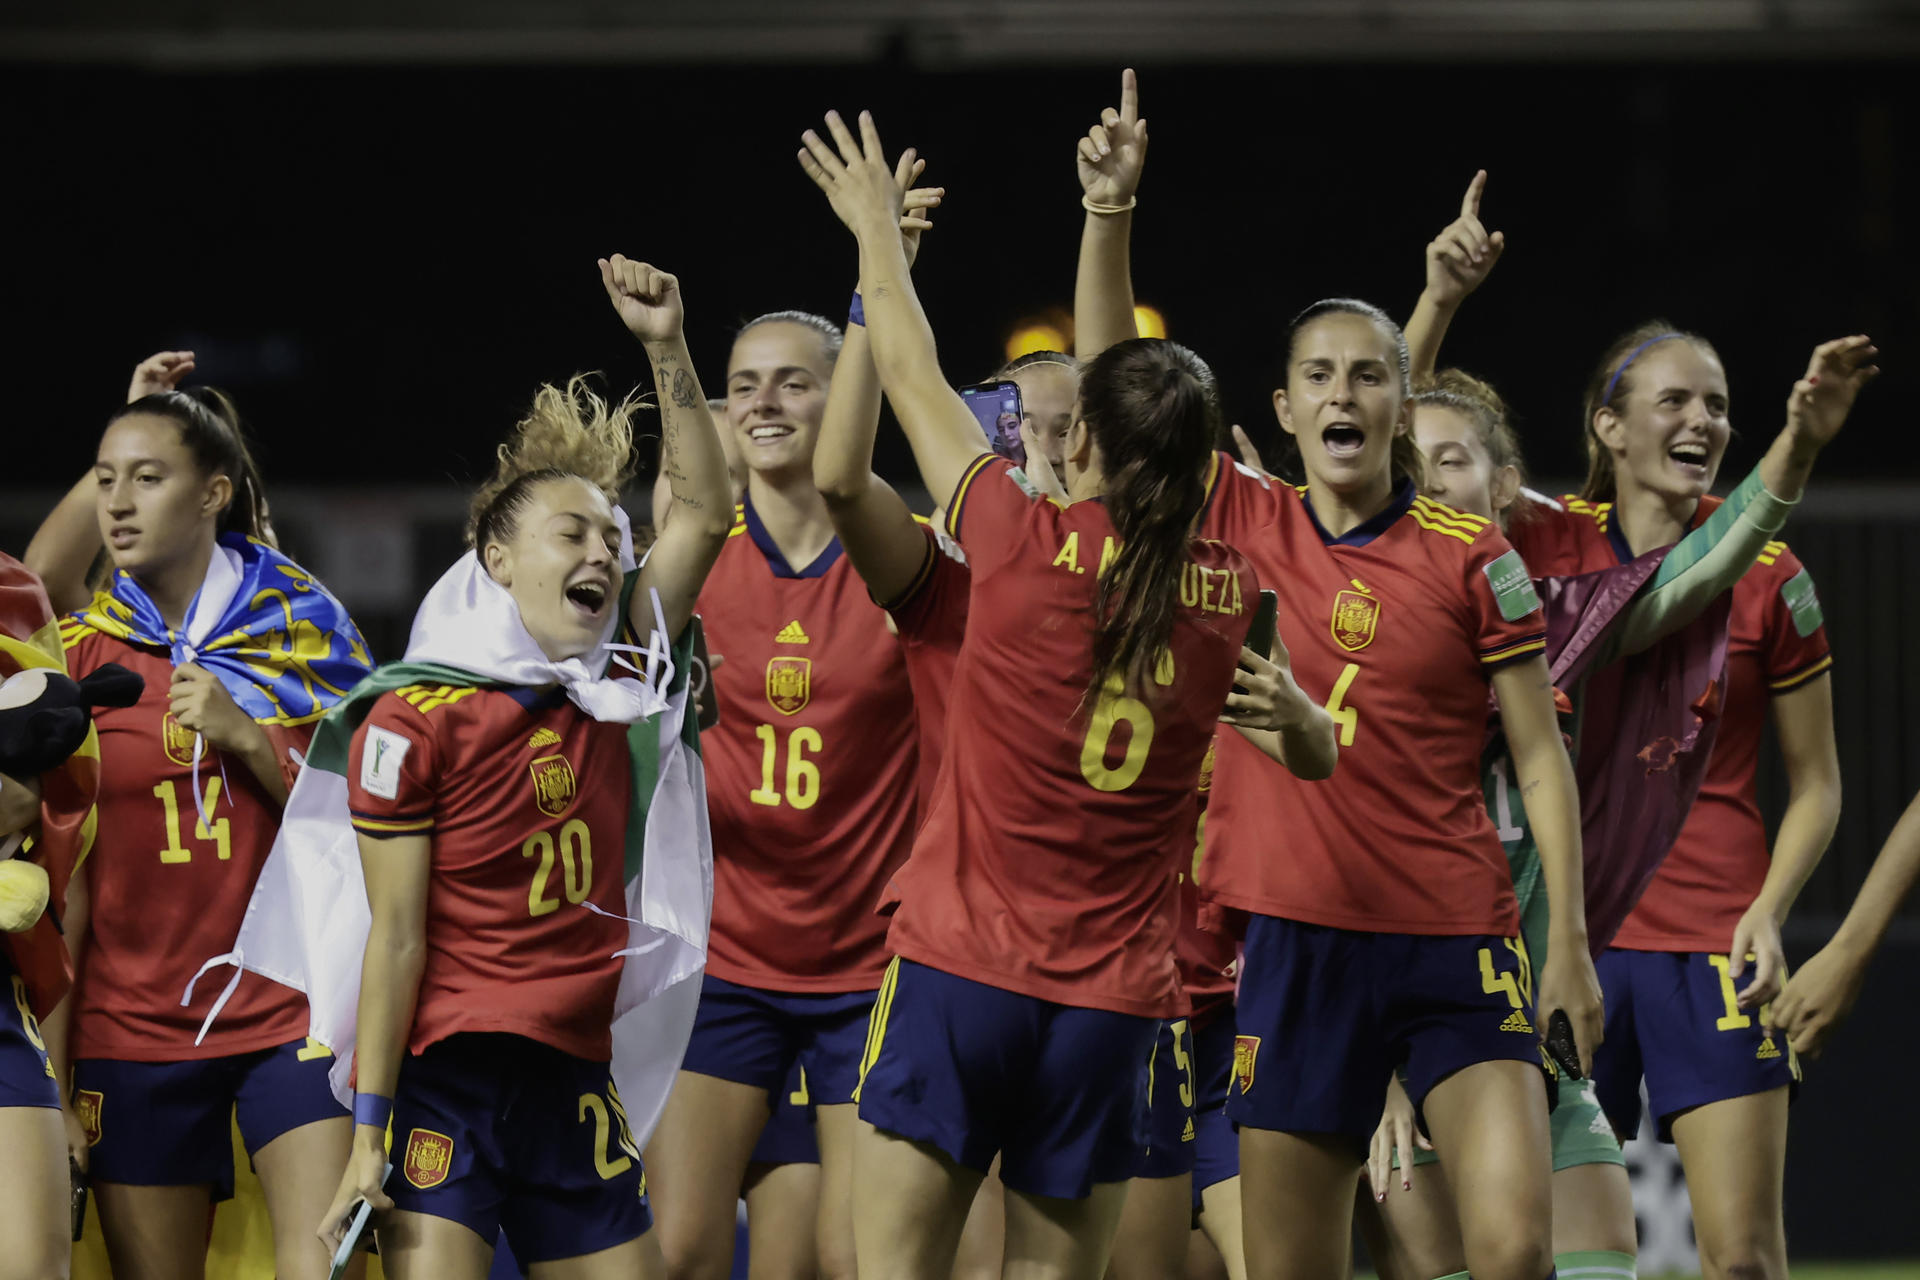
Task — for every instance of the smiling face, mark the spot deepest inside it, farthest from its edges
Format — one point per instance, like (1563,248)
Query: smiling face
(1047,393)
(1671,432)
(562,566)
(1343,402)
(155,505)
(1459,471)
(777,382)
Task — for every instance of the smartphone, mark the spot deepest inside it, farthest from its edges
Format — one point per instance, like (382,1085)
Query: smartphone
(354,1238)
(1566,1055)
(1260,633)
(79,1184)
(997,406)
(706,702)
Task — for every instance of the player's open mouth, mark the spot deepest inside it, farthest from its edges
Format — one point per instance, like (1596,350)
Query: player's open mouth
(770,432)
(1343,440)
(122,536)
(1691,458)
(588,597)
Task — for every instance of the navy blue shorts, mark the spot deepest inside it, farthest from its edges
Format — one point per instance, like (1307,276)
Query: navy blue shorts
(504,1134)
(752,1036)
(789,1137)
(169,1124)
(1170,1097)
(26,1077)
(1674,1018)
(1059,1093)
(1216,1147)
(1326,1015)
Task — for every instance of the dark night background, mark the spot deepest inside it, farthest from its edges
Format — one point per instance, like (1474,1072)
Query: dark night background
(382,258)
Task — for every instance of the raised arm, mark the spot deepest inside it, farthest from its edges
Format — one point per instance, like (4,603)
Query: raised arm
(1710,559)
(649,304)
(1109,161)
(861,187)
(1458,262)
(68,540)
(874,524)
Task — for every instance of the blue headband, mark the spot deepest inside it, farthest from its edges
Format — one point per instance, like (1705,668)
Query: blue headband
(1633,355)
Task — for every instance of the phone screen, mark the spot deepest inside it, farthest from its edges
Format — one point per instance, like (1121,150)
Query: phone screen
(997,406)
(1260,633)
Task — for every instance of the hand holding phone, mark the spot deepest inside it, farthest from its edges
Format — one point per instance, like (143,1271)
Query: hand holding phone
(354,1236)
(1260,634)
(997,407)
(1560,1045)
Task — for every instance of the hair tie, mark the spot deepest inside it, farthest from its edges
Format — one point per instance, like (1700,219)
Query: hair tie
(1607,397)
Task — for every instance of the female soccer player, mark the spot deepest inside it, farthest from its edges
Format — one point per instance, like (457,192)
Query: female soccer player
(1386,935)
(1473,463)
(487,996)
(241,650)
(987,975)
(811,790)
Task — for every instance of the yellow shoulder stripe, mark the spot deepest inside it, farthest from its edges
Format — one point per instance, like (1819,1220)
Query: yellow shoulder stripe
(431,697)
(1433,526)
(1441,513)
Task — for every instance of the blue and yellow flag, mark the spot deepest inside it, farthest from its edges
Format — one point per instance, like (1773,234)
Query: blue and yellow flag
(281,644)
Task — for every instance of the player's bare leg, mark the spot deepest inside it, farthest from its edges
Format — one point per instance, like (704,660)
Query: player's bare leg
(1050,1239)
(1296,1195)
(156,1233)
(1151,1243)
(913,1204)
(695,1164)
(835,1127)
(1203,1258)
(983,1241)
(635,1260)
(1490,1121)
(33,1194)
(1593,1210)
(419,1246)
(1220,1224)
(1414,1234)
(783,1206)
(1735,1156)
(299,1173)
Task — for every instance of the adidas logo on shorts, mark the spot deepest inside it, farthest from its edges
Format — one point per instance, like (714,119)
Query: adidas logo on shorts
(1767,1049)
(1186,1135)
(1517,1021)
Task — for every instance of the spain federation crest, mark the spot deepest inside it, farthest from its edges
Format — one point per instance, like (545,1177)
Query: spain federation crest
(789,683)
(86,1108)
(1246,1052)
(1355,615)
(176,740)
(429,1158)
(553,785)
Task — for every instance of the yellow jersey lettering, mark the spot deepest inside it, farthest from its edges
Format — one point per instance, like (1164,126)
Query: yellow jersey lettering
(1109,551)
(1070,553)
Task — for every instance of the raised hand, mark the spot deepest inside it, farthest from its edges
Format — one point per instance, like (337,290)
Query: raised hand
(161,371)
(1460,258)
(863,190)
(202,705)
(647,298)
(1818,407)
(1109,159)
(915,202)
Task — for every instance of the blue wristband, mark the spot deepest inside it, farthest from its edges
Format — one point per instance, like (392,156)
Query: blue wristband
(371,1108)
(857,314)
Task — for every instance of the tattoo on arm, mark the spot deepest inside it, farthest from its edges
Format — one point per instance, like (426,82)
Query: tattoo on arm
(683,389)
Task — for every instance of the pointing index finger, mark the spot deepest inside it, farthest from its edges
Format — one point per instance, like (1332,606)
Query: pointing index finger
(1129,96)
(1470,203)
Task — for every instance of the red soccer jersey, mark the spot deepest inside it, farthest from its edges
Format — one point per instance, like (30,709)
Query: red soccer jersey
(1208,958)
(931,617)
(167,894)
(527,800)
(1776,642)
(1048,864)
(811,772)
(1395,626)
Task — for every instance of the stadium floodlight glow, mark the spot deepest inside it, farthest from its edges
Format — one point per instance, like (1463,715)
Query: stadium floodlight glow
(1035,335)
(1148,322)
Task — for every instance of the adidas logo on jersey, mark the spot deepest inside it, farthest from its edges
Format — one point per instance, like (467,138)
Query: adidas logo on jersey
(1767,1049)
(792,634)
(1517,1021)
(1186,1135)
(542,738)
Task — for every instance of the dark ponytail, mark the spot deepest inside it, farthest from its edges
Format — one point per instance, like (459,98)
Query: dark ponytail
(1152,410)
(210,429)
